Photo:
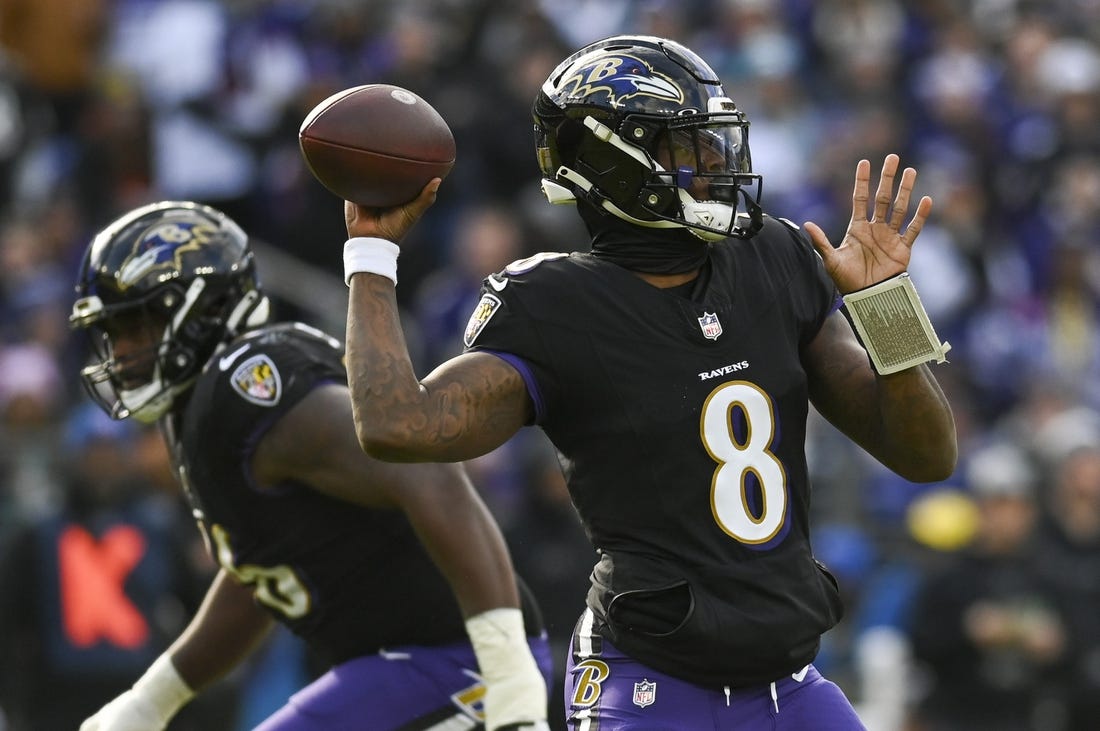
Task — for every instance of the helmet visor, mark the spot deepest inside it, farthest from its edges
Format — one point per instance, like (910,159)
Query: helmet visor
(710,160)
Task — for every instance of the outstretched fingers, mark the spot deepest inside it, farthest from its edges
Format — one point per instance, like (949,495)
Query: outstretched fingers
(901,202)
(889,209)
(861,194)
(885,192)
(924,208)
(820,241)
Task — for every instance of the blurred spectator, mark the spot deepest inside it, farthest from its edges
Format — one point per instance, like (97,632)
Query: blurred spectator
(486,239)
(849,553)
(862,42)
(199,148)
(95,588)
(985,629)
(1069,72)
(1069,549)
(35,287)
(56,46)
(1015,344)
(582,21)
(30,407)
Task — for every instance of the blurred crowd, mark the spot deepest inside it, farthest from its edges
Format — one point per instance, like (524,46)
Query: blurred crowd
(972,604)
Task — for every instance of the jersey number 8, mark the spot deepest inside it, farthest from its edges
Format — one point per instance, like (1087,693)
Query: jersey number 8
(737,458)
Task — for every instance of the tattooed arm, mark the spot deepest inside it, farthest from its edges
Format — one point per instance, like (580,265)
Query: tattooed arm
(468,406)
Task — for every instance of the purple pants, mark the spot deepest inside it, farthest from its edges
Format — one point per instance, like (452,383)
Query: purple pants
(606,690)
(403,689)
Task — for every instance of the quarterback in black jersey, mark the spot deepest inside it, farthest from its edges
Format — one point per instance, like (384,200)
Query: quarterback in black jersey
(673,366)
(395,574)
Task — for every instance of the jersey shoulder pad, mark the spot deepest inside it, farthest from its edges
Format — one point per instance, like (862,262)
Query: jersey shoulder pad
(254,366)
(773,223)
(293,335)
(535,276)
(789,223)
(520,268)
(781,233)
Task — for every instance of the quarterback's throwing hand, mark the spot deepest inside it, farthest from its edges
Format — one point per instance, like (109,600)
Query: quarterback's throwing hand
(874,249)
(391,224)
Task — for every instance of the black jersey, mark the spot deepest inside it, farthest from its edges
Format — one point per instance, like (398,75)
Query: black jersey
(681,418)
(349,580)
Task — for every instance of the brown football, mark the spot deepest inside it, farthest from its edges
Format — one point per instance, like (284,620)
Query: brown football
(376,145)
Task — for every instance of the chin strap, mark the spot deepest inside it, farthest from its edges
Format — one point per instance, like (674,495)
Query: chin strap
(557,194)
(711,214)
(599,200)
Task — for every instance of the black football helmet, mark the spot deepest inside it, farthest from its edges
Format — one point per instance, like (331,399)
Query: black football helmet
(640,127)
(159,290)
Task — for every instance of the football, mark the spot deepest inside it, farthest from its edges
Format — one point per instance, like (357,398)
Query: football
(376,145)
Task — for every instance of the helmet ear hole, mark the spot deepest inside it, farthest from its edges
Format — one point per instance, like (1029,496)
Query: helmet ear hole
(642,133)
(657,201)
(177,364)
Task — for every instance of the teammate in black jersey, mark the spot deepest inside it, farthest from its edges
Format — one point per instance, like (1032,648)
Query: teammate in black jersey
(396,574)
(673,367)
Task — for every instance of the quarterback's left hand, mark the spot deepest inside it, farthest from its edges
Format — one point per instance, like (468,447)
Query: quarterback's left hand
(873,250)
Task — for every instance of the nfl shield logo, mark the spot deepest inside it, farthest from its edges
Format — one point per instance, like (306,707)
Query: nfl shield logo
(645,693)
(710,325)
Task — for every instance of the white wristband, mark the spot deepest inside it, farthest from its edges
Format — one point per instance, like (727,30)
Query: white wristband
(516,688)
(163,687)
(371,255)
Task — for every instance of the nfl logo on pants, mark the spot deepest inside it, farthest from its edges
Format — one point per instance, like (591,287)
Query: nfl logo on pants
(645,693)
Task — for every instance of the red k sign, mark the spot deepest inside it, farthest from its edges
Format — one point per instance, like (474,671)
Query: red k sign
(93,574)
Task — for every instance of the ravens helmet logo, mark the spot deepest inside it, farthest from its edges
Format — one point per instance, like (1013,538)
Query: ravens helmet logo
(621,77)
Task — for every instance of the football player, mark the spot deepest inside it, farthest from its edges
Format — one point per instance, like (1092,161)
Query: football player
(395,574)
(673,366)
